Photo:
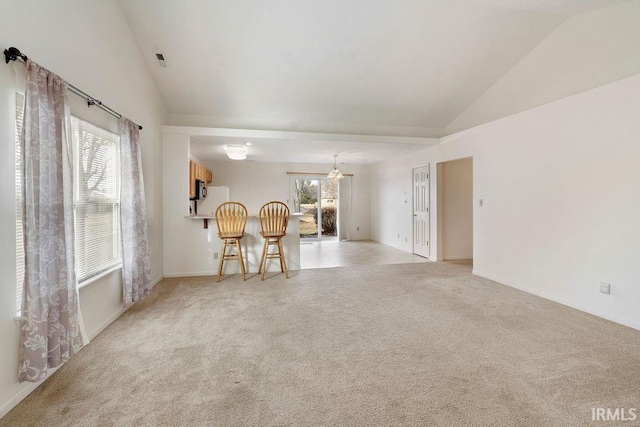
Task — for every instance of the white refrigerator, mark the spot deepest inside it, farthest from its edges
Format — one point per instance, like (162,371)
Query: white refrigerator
(216,195)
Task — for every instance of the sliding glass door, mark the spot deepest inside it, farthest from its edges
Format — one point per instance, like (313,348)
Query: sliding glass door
(317,200)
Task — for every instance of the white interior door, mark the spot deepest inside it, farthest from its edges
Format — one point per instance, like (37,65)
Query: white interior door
(421,211)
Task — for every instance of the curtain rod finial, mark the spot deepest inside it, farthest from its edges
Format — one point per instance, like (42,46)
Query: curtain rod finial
(13,54)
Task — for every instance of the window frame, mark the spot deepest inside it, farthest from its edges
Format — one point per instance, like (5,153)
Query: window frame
(96,202)
(94,275)
(20,255)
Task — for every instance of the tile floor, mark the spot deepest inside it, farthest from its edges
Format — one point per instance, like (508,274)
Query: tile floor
(333,253)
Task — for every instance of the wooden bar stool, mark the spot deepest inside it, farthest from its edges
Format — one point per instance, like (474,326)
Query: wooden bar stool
(231,220)
(274,217)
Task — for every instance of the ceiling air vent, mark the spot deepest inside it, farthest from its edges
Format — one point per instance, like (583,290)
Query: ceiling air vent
(161,61)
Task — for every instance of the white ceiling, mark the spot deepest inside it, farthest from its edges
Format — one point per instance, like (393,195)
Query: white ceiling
(555,7)
(301,151)
(309,64)
(409,63)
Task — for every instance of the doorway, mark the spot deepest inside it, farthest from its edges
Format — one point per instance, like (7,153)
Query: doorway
(421,230)
(317,199)
(455,210)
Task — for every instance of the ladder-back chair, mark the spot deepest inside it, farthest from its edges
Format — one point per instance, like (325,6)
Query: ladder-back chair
(274,217)
(231,220)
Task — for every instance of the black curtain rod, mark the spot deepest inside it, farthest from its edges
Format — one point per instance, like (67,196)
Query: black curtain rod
(13,54)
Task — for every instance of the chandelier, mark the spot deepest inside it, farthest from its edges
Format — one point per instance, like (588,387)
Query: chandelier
(335,175)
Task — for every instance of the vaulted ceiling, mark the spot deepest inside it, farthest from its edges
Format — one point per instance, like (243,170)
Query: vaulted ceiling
(321,65)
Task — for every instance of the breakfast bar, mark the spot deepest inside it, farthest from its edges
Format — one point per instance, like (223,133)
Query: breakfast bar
(252,244)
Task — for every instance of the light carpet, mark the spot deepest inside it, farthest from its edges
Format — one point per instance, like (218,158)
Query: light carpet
(408,344)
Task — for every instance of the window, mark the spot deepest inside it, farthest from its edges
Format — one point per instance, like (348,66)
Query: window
(96,184)
(96,196)
(19,241)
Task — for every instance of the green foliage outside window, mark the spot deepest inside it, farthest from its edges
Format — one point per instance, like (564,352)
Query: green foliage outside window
(329,220)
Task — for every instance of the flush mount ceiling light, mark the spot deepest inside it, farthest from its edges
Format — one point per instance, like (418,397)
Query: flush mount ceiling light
(236,152)
(335,175)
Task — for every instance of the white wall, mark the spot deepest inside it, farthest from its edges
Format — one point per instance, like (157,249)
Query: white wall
(90,45)
(391,203)
(584,52)
(175,153)
(561,202)
(559,181)
(253,184)
(178,119)
(455,204)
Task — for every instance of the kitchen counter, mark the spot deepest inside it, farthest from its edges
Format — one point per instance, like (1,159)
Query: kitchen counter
(252,244)
(198,216)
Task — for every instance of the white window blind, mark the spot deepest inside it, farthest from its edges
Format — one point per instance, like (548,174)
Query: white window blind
(96,187)
(96,198)
(19,240)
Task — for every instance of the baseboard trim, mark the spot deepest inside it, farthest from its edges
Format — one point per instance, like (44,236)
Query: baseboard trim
(270,269)
(156,281)
(106,323)
(23,393)
(196,274)
(457,258)
(615,319)
(31,387)
(119,313)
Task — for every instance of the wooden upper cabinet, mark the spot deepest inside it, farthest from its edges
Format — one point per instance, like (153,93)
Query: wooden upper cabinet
(197,172)
(192,179)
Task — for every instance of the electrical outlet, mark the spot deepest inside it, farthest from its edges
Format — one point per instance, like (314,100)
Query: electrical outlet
(215,255)
(398,235)
(357,228)
(605,288)
(481,202)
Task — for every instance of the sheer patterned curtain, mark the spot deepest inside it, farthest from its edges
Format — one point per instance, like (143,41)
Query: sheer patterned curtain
(136,264)
(51,329)
(345,196)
